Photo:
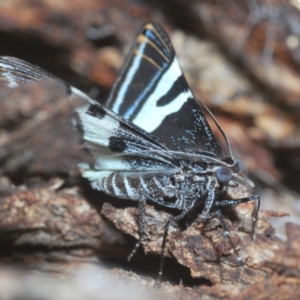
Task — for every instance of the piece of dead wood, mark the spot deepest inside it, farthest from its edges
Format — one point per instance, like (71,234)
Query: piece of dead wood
(62,220)
(56,223)
(282,265)
(51,217)
(258,121)
(202,247)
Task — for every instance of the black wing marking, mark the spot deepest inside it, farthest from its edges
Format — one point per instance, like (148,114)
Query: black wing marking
(151,91)
(119,145)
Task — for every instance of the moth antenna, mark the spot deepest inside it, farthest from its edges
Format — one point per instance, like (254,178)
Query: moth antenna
(220,128)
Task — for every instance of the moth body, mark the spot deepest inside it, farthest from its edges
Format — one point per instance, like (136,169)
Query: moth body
(151,141)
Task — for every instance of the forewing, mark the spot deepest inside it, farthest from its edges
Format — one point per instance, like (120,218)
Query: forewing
(107,136)
(151,91)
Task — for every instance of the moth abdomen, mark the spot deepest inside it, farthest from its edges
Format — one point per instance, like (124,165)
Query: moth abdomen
(129,185)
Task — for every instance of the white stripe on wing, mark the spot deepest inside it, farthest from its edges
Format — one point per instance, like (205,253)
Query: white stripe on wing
(151,116)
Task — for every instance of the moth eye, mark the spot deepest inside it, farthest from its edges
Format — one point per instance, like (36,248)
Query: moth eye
(223,174)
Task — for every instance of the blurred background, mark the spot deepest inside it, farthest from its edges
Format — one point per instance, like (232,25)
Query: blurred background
(240,57)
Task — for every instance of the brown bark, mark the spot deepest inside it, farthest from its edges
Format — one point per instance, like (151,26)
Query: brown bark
(241,60)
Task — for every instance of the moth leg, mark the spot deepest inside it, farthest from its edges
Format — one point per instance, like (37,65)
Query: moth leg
(209,202)
(176,204)
(141,217)
(234,202)
(226,231)
(164,242)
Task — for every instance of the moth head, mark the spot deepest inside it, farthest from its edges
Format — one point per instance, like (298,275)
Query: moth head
(231,177)
(231,174)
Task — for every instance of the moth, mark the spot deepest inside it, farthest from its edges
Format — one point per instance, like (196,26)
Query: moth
(151,141)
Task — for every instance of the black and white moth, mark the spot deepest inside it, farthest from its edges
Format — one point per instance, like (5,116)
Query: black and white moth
(151,141)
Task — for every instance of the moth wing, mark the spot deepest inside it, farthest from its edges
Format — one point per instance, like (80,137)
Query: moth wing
(152,92)
(117,144)
(105,134)
(15,71)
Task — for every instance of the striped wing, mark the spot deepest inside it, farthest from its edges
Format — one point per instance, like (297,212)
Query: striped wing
(151,91)
(116,144)
(119,145)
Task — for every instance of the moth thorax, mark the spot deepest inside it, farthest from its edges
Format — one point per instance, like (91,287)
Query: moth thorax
(223,174)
